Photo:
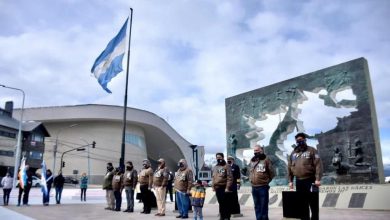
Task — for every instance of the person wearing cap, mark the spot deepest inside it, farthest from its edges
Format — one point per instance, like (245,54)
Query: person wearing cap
(160,181)
(146,183)
(305,165)
(107,185)
(261,174)
(198,194)
(235,186)
(222,185)
(183,183)
(130,180)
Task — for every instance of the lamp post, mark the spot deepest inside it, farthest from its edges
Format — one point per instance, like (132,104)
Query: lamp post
(56,147)
(19,141)
(89,160)
(195,159)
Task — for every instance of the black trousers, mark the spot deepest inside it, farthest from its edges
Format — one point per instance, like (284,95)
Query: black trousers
(83,194)
(6,195)
(170,191)
(25,193)
(224,200)
(146,197)
(310,199)
(235,204)
(118,200)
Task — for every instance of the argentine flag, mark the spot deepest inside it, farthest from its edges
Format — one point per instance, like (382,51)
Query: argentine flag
(109,62)
(22,174)
(43,179)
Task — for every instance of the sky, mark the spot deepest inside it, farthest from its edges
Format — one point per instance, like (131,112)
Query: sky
(188,56)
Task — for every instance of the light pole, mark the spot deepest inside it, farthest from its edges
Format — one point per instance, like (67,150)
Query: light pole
(195,159)
(89,160)
(19,141)
(56,147)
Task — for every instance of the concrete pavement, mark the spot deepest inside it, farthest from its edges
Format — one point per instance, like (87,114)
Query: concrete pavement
(73,208)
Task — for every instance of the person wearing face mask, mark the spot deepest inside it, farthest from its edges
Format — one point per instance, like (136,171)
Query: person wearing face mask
(130,179)
(235,186)
(261,174)
(183,184)
(107,185)
(6,182)
(305,165)
(222,185)
(146,183)
(160,181)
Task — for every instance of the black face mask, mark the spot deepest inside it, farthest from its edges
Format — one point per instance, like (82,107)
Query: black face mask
(129,167)
(110,168)
(145,165)
(181,165)
(229,162)
(259,155)
(301,143)
(219,161)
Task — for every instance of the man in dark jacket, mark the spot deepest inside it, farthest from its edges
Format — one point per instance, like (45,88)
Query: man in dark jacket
(130,180)
(261,174)
(305,165)
(49,183)
(235,186)
(59,186)
(222,183)
(107,185)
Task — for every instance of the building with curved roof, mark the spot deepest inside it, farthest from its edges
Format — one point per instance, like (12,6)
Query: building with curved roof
(147,136)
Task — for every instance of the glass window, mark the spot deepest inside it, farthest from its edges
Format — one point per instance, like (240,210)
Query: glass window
(135,140)
(35,155)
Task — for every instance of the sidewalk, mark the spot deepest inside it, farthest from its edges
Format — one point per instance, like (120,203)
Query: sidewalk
(73,208)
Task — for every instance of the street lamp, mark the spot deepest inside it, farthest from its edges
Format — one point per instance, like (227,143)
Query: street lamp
(56,147)
(89,161)
(19,141)
(195,159)
(82,148)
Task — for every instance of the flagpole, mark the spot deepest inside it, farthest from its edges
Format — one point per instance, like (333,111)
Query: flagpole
(122,159)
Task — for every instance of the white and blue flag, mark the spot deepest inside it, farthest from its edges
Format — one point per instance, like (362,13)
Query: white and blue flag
(109,62)
(43,179)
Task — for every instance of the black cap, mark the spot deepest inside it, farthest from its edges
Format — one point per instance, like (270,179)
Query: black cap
(301,134)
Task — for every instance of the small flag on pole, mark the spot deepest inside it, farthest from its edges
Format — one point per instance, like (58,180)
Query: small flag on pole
(22,174)
(109,62)
(43,179)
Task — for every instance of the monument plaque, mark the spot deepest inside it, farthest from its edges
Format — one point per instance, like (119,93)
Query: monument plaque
(349,143)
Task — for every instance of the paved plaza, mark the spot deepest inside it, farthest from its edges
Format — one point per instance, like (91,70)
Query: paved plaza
(73,208)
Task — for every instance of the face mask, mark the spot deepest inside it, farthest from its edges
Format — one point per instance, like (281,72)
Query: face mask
(129,167)
(181,165)
(145,165)
(259,155)
(229,162)
(109,168)
(219,161)
(301,143)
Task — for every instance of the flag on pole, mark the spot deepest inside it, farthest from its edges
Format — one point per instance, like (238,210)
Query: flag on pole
(109,62)
(22,173)
(43,179)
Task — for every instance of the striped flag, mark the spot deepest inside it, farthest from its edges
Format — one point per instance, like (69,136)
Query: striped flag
(22,173)
(43,179)
(109,62)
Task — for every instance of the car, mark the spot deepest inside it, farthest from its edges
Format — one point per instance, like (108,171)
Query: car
(71,180)
(36,182)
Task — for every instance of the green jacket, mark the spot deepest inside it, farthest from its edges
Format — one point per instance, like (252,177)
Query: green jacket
(107,183)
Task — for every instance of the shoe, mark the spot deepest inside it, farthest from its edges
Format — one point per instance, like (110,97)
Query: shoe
(158,214)
(186,216)
(179,216)
(117,210)
(161,214)
(143,212)
(126,210)
(131,210)
(108,208)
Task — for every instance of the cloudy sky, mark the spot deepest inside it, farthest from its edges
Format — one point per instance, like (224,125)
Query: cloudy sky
(188,56)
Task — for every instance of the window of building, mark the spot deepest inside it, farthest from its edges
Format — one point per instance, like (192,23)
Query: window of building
(6,153)
(37,137)
(135,140)
(7,134)
(36,155)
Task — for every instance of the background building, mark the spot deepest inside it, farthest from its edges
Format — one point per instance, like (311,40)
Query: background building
(147,136)
(33,141)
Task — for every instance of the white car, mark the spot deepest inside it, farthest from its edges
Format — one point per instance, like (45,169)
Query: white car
(36,182)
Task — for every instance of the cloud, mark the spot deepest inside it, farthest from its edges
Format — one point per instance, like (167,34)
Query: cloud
(188,56)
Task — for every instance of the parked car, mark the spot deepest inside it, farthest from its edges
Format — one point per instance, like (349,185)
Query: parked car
(36,182)
(71,180)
